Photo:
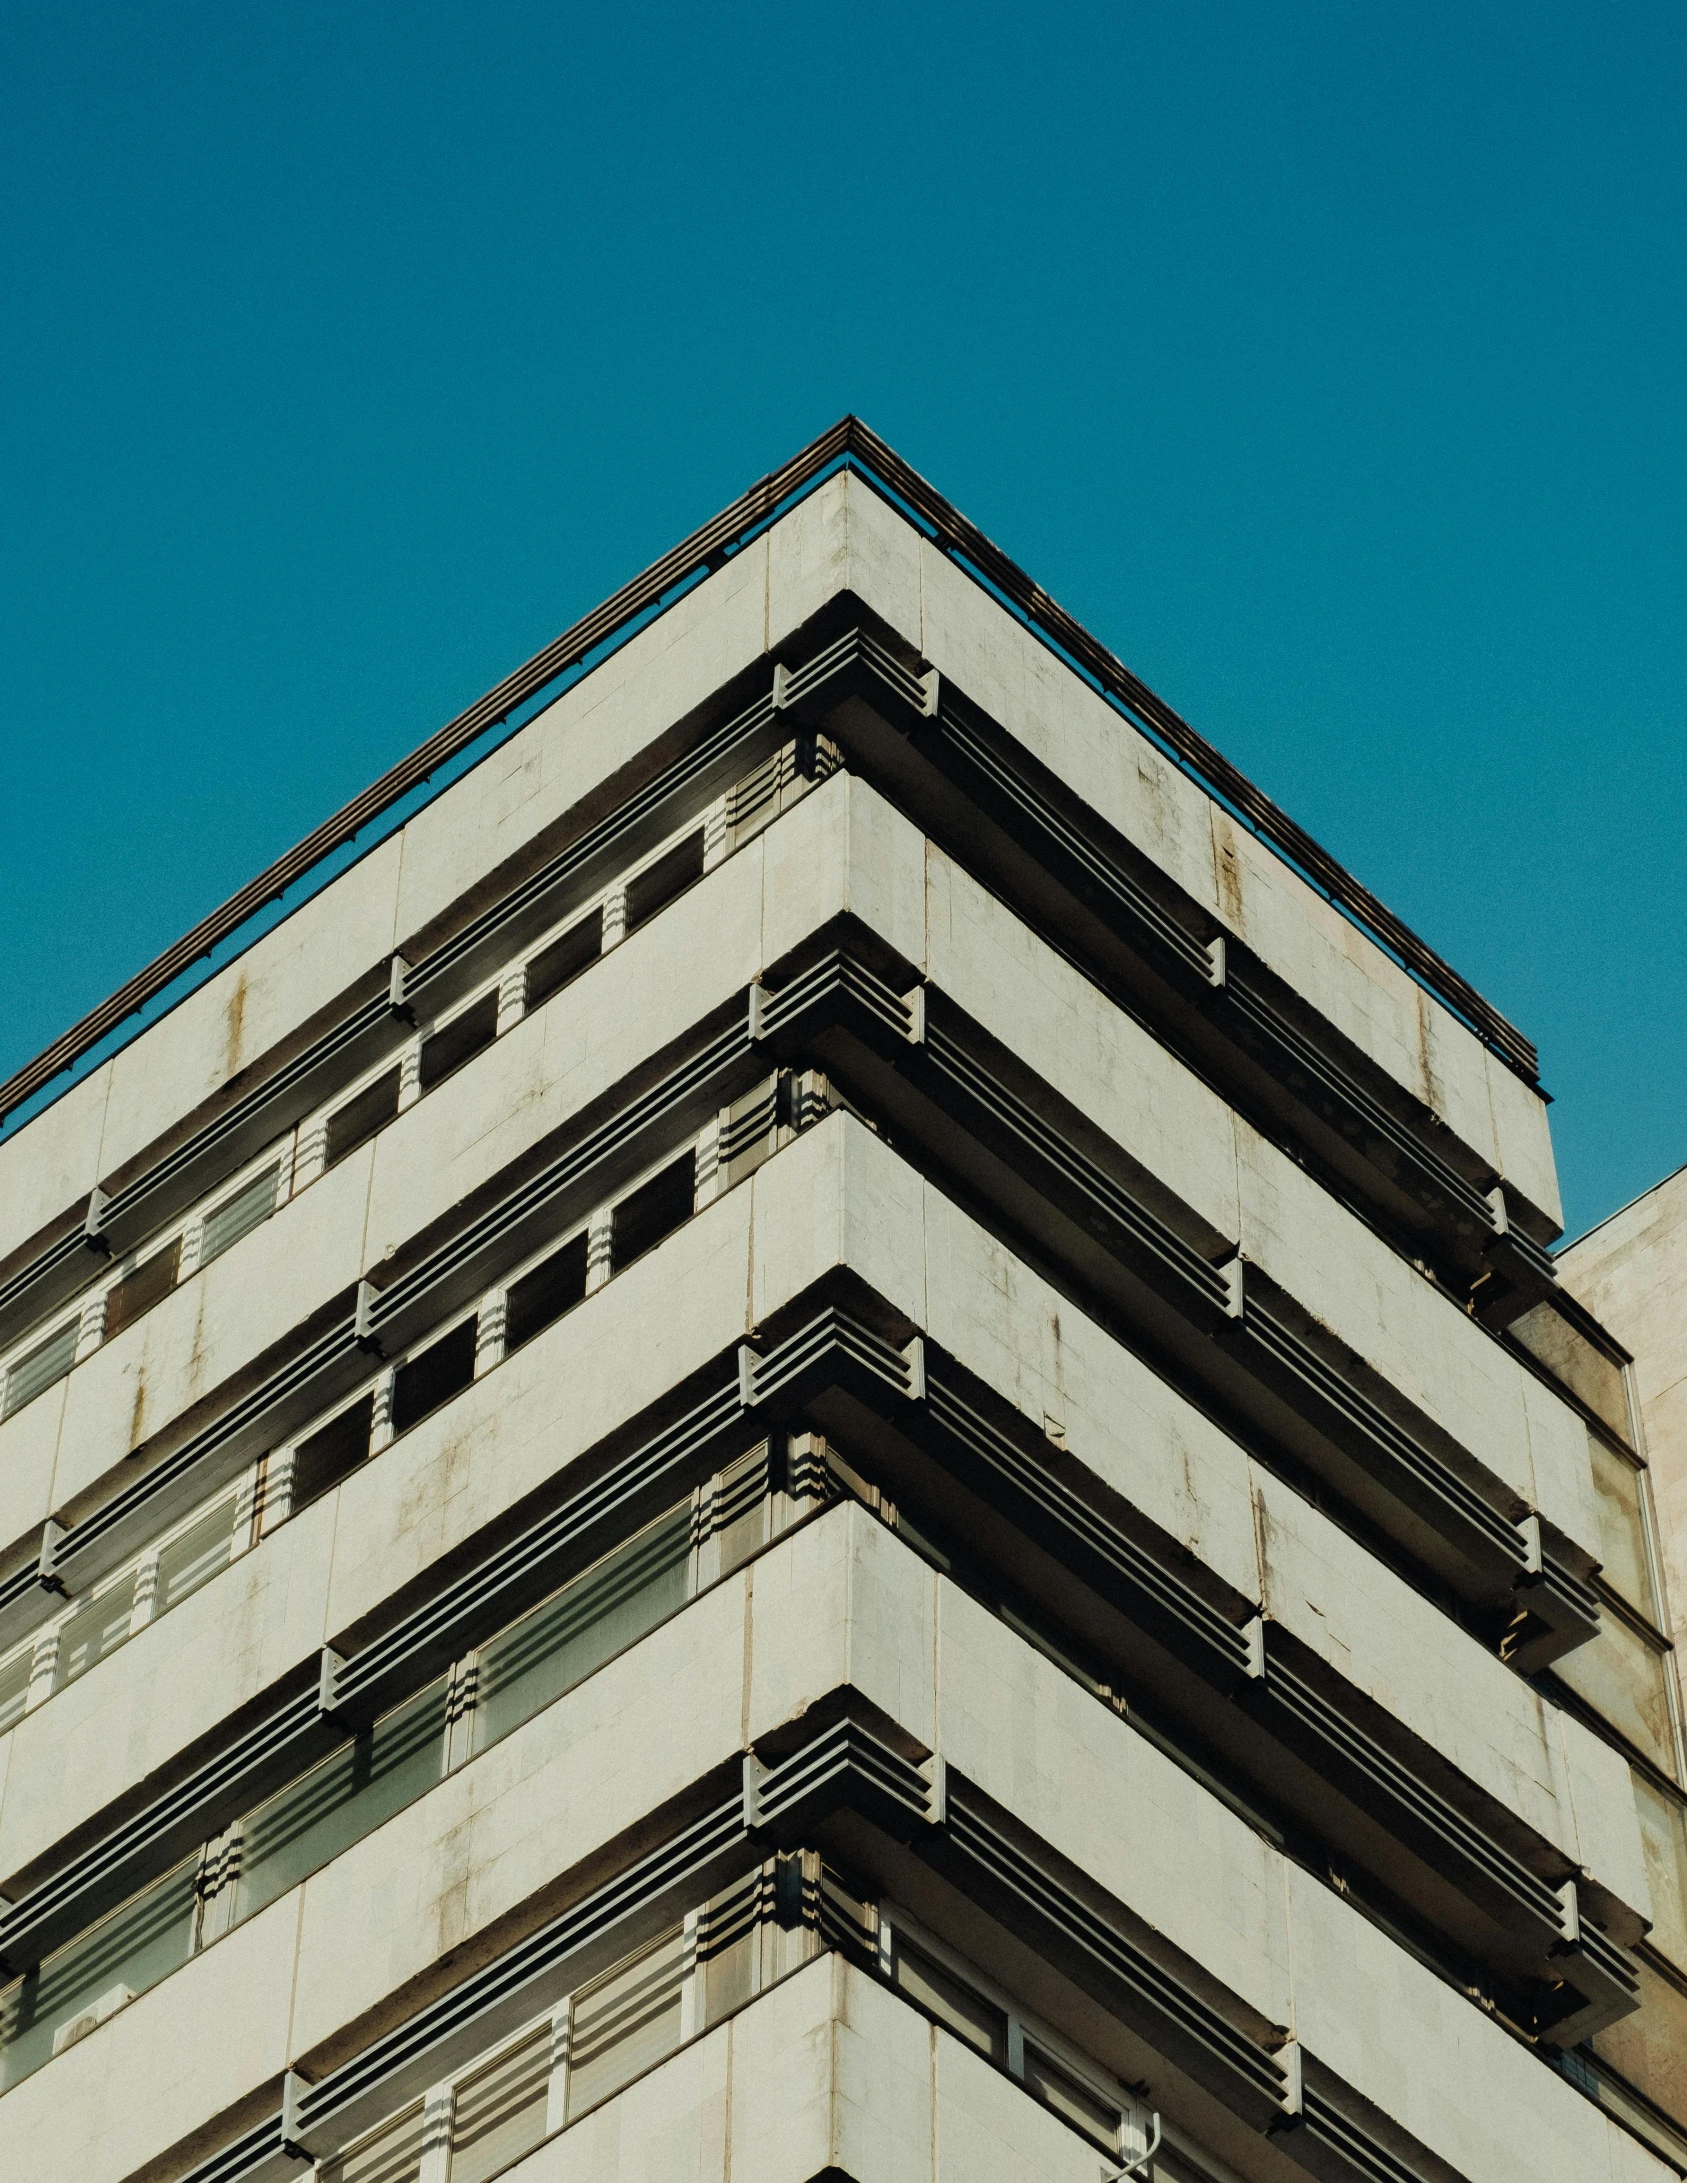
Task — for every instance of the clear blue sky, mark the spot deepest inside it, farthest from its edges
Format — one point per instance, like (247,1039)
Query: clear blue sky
(1326,359)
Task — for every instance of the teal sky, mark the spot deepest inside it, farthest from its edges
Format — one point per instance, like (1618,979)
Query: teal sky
(1326,359)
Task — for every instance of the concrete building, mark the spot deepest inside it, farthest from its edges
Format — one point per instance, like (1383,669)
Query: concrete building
(1630,1273)
(826,1434)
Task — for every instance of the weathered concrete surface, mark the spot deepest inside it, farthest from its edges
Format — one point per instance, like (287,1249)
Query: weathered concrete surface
(842,1602)
(836,1197)
(1631,1273)
(843,537)
(841,849)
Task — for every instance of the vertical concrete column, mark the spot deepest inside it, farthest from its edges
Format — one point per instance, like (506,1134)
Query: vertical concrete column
(410,1074)
(556,2090)
(193,1242)
(380,1430)
(90,1331)
(614,918)
(274,1497)
(490,1327)
(249,1507)
(709,1181)
(512,997)
(146,1592)
(285,1154)
(435,2164)
(312,1154)
(43,1666)
(600,1244)
(717,833)
(690,1992)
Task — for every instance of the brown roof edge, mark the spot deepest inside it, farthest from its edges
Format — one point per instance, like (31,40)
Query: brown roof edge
(848,440)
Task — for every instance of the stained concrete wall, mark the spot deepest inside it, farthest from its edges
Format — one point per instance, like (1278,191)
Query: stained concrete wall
(1631,1273)
(837,1196)
(840,1603)
(842,848)
(842,537)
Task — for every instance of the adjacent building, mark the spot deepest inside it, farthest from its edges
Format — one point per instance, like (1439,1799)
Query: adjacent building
(828,1433)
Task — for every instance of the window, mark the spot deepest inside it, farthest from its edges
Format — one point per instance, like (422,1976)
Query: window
(152,1279)
(1617,1483)
(15,1676)
(358,1120)
(249,1208)
(964,2002)
(625,2021)
(34,1373)
(654,1210)
(390,2154)
(588,2045)
(120,1957)
(194,1556)
(439,1372)
(370,1777)
(955,2006)
(1072,2102)
(95,1629)
(324,1459)
(459,1041)
(1663,1838)
(377,1773)
(671,874)
(499,2113)
(574,1632)
(539,1297)
(1624,1675)
(552,968)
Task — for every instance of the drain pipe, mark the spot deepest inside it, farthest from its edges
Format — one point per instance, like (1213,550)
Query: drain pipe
(1136,2166)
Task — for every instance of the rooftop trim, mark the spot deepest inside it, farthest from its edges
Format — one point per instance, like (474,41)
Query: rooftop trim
(850,445)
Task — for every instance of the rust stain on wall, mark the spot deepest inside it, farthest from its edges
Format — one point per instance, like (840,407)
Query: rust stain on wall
(1227,875)
(234,1025)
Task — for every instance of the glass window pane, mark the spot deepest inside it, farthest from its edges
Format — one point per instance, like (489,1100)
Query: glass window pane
(499,2113)
(654,1210)
(968,2015)
(542,1296)
(134,1948)
(552,968)
(728,1945)
(337,1803)
(670,875)
(94,1630)
(1647,2047)
(1584,1369)
(1623,1678)
(458,1041)
(249,1208)
(194,1557)
(573,1633)
(137,1292)
(325,1458)
(1622,1536)
(358,1120)
(14,1686)
(46,1363)
(1663,1837)
(741,1509)
(441,1371)
(1071,2101)
(625,2021)
(391,2154)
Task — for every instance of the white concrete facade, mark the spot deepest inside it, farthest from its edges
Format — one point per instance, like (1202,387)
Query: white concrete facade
(841,1318)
